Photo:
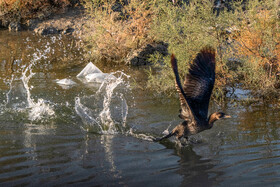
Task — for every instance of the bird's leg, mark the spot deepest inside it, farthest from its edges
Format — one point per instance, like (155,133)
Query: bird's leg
(165,137)
(184,141)
(178,131)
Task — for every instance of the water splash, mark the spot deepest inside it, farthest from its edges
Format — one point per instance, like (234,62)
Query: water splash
(140,135)
(146,137)
(87,116)
(37,110)
(19,100)
(10,84)
(107,109)
(105,115)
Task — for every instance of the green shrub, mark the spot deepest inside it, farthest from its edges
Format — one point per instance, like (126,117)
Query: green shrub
(258,45)
(187,29)
(250,36)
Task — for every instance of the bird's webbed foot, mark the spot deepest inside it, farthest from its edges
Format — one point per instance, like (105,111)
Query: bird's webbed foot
(184,141)
(158,139)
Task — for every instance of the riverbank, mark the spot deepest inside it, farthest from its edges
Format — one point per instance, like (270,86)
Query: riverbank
(72,20)
(68,23)
(67,19)
(146,32)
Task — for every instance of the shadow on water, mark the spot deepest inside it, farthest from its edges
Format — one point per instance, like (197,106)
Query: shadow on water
(65,148)
(197,172)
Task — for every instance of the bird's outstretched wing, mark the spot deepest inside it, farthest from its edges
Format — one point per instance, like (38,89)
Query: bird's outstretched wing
(186,112)
(198,85)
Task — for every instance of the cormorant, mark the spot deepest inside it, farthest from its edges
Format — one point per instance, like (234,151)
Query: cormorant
(195,95)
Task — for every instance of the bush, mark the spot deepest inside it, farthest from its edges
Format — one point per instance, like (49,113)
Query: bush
(258,45)
(187,29)
(250,35)
(18,10)
(119,28)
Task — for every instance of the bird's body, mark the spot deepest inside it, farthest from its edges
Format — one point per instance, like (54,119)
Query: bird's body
(195,95)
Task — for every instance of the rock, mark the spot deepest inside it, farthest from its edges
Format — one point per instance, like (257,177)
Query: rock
(14,26)
(46,31)
(32,23)
(141,56)
(68,31)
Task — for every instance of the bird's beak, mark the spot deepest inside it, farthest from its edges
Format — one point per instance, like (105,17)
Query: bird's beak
(227,116)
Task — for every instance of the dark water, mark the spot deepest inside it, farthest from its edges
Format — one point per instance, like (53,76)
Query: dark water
(62,146)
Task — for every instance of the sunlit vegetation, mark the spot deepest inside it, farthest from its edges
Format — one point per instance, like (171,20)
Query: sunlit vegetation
(16,10)
(245,35)
(246,39)
(258,46)
(187,29)
(119,27)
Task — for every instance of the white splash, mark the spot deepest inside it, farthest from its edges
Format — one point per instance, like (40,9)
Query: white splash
(108,112)
(39,109)
(86,115)
(166,131)
(67,82)
(89,69)
(140,136)
(105,114)
(93,74)
(145,136)
(10,83)
(99,77)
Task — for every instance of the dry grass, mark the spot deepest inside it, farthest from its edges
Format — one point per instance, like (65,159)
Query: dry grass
(258,45)
(260,40)
(118,33)
(27,9)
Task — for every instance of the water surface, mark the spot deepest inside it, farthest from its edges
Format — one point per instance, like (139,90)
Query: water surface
(51,135)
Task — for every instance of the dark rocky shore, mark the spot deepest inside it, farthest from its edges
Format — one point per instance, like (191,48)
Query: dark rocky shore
(67,21)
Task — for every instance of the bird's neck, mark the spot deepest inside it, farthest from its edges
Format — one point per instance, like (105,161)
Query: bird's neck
(212,118)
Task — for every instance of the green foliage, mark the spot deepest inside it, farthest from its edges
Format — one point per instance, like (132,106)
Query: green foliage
(187,29)
(251,37)
(257,44)
(118,28)
(257,79)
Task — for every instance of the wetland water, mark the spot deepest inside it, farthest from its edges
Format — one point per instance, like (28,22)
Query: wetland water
(98,135)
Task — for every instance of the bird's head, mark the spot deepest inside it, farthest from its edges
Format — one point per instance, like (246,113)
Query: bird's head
(221,115)
(216,116)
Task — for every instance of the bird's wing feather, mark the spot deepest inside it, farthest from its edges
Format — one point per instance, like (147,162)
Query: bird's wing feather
(199,82)
(186,111)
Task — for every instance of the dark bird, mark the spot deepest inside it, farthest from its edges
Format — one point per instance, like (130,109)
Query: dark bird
(195,95)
